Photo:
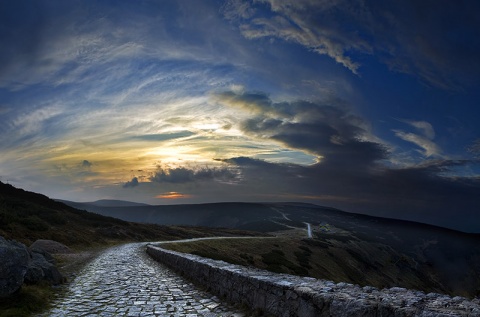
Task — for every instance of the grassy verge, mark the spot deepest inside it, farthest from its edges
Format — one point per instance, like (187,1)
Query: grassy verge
(281,255)
(336,258)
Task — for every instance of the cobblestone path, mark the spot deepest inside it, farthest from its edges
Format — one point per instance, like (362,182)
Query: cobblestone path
(124,281)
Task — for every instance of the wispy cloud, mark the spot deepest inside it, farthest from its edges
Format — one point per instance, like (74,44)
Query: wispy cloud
(295,29)
(398,34)
(30,122)
(474,148)
(429,147)
(425,127)
(423,140)
(164,136)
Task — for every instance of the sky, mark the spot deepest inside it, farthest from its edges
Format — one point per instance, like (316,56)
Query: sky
(367,106)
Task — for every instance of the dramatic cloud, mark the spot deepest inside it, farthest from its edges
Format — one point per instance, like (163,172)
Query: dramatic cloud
(408,36)
(422,192)
(329,131)
(132,183)
(186,175)
(261,100)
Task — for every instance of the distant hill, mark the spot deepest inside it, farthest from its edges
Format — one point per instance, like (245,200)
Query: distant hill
(402,251)
(229,215)
(104,203)
(27,216)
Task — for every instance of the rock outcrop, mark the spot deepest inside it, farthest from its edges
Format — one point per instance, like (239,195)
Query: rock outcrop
(287,295)
(50,246)
(40,269)
(14,259)
(42,266)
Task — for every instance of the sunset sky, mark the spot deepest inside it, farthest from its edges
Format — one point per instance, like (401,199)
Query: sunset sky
(367,106)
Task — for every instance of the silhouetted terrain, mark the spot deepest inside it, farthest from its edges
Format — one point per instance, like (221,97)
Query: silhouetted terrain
(230,215)
(27,216)
(345,246)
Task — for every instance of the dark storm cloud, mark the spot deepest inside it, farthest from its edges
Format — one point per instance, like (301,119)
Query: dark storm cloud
(438,41)
(427,193)
(328,131)
(252,169)
(423,193)
(353,172)
(132,183)
(181,175)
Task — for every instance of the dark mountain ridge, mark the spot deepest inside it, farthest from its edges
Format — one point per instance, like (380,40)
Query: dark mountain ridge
(26,216)
(104,203)
(194,214)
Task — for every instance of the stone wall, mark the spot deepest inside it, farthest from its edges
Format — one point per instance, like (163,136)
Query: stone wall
(287,295)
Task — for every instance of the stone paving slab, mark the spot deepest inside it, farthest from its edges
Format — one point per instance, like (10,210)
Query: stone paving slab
(124,281)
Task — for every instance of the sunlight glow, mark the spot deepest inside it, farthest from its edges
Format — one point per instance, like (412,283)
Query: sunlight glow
(173,195)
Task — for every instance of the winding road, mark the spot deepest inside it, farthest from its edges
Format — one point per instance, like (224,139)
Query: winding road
(125,281)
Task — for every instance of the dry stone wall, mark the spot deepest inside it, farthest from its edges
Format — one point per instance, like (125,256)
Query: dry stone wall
(286,295)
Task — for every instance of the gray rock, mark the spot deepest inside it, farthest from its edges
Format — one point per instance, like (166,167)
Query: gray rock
(50,246)
(13,266)
(34,274)
(40,269)
(45,254)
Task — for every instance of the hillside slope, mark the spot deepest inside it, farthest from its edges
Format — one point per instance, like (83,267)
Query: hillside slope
(345,246)
(27,216)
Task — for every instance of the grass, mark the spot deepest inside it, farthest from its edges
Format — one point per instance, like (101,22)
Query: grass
(259,252)
(340,259)
(31,299)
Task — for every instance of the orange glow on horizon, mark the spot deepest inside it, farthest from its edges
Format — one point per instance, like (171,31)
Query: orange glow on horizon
(173,195)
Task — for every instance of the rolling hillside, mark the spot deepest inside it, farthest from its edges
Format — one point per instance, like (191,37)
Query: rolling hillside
(27,216)
(344,247)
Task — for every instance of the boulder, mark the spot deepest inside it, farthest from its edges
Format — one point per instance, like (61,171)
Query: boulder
(45,254)
(50,246)
(14,259)
(40,269)
(34,274)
